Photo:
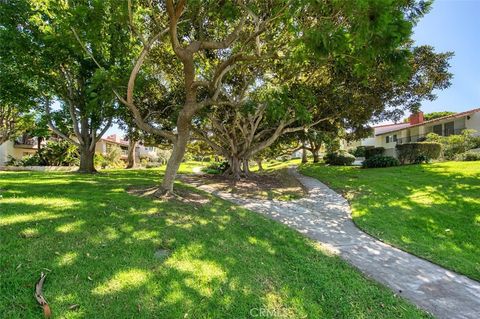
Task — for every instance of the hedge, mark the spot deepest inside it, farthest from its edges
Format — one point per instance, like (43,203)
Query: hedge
(469,156)
(339,158)
(418,152)
(370,152)
(380,161)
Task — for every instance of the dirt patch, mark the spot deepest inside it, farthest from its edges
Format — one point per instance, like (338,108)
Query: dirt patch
(183,195)
(266,185)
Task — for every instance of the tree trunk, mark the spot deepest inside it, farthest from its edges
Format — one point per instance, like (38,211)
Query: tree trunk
(131,160)
(316,157)
(304,155)
(259,164)
(179,148)
(235,169)
(246,167)
(39,143)
(86,160)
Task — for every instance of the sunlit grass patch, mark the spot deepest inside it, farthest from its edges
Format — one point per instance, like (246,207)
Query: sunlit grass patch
(109,254)
(430,210)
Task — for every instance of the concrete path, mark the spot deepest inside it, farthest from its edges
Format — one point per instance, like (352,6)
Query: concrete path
(324,216)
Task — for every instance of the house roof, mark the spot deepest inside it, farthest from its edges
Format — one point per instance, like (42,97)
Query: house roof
(398,127)
(114,139)
(382,129)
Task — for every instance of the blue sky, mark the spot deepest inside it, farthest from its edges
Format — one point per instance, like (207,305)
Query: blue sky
(454,25)
(451,25)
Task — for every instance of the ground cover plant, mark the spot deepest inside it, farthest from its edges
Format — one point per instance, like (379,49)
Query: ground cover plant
(109,254)
(430,210)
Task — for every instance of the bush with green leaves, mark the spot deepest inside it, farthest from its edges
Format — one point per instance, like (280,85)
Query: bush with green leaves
(359,151)
(340,158)
(468,156)
(153,164)
(59,153)
(373,151)
(380,161)
(454,145)
(419,152)
(112,159)
(54,153)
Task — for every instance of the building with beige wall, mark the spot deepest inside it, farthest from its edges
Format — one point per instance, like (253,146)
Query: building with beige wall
(24,145)
(417,129)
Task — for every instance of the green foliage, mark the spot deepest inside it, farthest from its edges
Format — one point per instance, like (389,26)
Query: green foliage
(415,153)
(59,153)
(54,153)
(339,158)
(469,156)
(433,115)
(380,161)
(111,159)
(359,151)
(436,115)
(373,151)
(455,144)
(216,167)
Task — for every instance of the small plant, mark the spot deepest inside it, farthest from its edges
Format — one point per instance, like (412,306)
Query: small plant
(339,158)
(380,161)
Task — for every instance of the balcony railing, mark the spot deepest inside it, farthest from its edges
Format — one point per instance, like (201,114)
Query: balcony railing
(423,137)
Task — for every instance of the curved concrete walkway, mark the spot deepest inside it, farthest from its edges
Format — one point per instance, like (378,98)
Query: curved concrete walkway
(324,216)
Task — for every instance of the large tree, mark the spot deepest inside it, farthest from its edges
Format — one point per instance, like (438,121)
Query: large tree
(367,40)
(61,45)
(208,38)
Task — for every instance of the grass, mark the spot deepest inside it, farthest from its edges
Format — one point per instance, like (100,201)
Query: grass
(430,210)
(116,255)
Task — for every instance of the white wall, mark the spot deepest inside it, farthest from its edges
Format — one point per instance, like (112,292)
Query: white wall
(474,122)
(7,149)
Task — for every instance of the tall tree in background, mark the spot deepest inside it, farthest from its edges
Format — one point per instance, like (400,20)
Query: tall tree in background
(18,95)
(60,45)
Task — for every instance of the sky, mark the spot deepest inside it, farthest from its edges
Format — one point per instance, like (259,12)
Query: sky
(454,25)
(451,25)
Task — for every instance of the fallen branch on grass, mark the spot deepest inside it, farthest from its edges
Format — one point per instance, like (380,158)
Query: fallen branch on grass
(39,296)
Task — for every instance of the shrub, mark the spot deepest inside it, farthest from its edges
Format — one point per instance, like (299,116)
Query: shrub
(111,159)
(216,168)
(153,164)
(55,153)
(380,161)
(58,153)
(454,145)
(359,151)
(373,151)
(339,158)
(418,152)
(476,142)
(469,156)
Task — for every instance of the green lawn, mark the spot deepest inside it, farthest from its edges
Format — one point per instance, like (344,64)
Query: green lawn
(97,243)
(430,210)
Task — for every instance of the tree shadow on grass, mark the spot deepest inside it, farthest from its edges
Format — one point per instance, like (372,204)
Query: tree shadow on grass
(98,244)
